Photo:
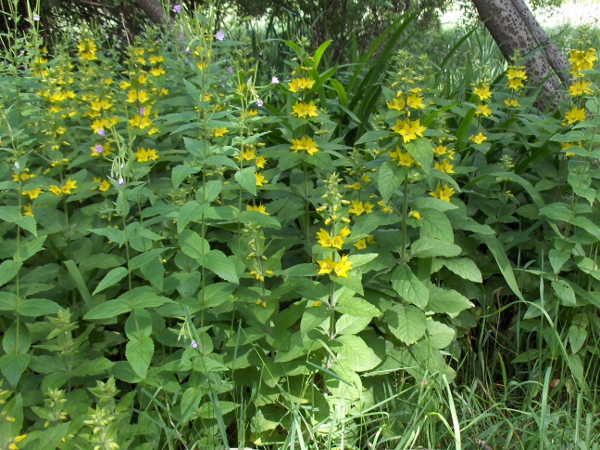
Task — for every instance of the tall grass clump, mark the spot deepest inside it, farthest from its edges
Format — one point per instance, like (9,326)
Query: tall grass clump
(202,252)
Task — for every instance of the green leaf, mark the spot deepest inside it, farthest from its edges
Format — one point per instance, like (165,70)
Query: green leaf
(557,211)
(35,307)
(113,235)
(216,261)
(249,217)
(79,282)
(348,324)
(139,354)
(577,337)
(193,245)
(215,294)
(145,258)
(8,301)
(421,150)
(17,339)
(390,178)
(587,225)
(190,212)
(313,317)
(210,191)
(8,270)
(30,248)
(138,325)
(564,292)
(464,268)
(366,224)
(180,173)
(569,136)
(13,366)
(100,261)
(440,335)
(111,278)
(144,297)
(108,310)
(447,301)
(356,354)
(357,307)
(430,248)
(406,322)
(436,225)
(245,177)
(11,214)
(196,147)
(557,259)
(503,264)
(409,287)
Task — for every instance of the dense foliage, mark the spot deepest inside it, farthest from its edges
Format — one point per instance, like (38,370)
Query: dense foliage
(201,252)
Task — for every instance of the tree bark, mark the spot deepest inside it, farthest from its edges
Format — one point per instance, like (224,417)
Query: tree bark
(507,21)
(154,10)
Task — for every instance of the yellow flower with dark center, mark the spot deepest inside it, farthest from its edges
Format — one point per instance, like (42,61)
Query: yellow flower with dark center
(445,167)
(69,186)
(511,103)
(305,143)
(258,208)
(342,267)
(55,190)
(478,139)
(219,132)
(575,115)
(409,129)
(337,242)
(580,88)
(361,244)
(415,101)
(443,193)
(397,103)
(299,84)
(248,154)
(324,238)
(357,208)
(404,159)
(484,110)
(32,193)
(304,110)
(326,266)
(483,92)
(104,186)
(260,179)
(145,155)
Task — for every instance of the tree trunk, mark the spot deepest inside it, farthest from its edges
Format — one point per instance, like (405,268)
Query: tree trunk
(513,27)
(154,10)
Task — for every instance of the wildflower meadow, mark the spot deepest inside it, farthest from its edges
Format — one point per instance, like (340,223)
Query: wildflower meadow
(211,241)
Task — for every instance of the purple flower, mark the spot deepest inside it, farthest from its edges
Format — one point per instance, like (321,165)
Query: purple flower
(220,36)
(98,149)
(177,9)
(101,132)
(22,52)
(142,111)
(36,17)
(121,181)
(260,103)
(275,80)
(194,344)
(230,69)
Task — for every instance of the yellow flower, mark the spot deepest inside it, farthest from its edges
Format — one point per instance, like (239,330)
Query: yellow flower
(357,208)
(575,115)
(337,242)
(582,60)
(397,103)
(28,212)
(580,88)
(32,193)
(478,139)
(304,110)
(415,101)
(219,132)
(409,129)
(55,190)
(443,193)
(260,179)
(156,59)
(342,267)
(371,240)
(356,186)
(69,186)
(299,84)
(324,238)
(511,103)
(483,92)
(404,158)
(258,208)
(145,155)
(157,72)
(134,96)
(484,110)
(261,162)
(361,244)
(445,167)
(305,143)
(345,232)
(415,214)
(326,266)
(104,185)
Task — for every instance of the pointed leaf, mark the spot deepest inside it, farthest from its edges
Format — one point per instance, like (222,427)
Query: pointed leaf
(190,212)
(109,309)
(440,335)
(447,301)
(565,292)
(464,268)
(13,366)
(8,270)
(406,322)
(216,261)
(390,178)
(409,287)
(111,278)
(356,354)
(139,354)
